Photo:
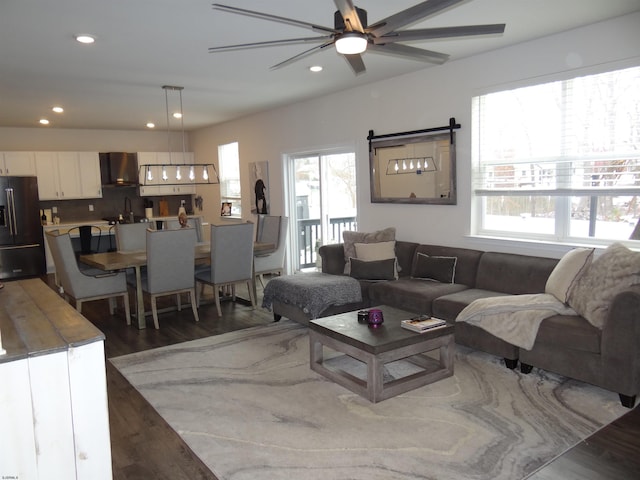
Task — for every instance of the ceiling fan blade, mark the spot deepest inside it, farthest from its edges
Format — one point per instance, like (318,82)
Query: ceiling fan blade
(271,43)
(410,15)
(409,52)
(444,32)
(295,58)
(350,16)
(356,63)
(273,18)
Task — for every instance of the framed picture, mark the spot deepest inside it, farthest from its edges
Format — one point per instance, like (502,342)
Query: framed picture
(259,177)
(225,211)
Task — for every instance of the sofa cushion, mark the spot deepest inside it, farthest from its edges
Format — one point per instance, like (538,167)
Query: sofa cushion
(513,273)
(449,306)
(378,251)
(410,294)
(440,269)
(466,265)
(612,272)
(405,251)
(373,269)
(351,238)
(567,272)
(569,332)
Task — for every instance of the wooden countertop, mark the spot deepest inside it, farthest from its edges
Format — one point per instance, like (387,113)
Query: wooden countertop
(35,320)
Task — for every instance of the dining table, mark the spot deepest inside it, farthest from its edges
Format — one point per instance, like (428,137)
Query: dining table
(136,259)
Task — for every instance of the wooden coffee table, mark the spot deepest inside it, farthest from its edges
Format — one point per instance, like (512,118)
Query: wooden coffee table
(378,346)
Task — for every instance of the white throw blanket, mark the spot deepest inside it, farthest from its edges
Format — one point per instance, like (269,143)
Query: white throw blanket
(513,318)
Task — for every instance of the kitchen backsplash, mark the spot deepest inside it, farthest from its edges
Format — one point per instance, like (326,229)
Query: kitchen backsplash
(112,204)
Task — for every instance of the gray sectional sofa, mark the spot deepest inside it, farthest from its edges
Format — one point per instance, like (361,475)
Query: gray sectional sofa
(565,344)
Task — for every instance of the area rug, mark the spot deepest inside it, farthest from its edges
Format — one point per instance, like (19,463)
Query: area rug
(249,406)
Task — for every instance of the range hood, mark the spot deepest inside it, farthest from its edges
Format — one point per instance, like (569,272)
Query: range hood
(119,169)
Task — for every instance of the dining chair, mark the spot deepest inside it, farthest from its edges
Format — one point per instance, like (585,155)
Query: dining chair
(131,236)
(82,287)
(273,261)
(170,266)
(87,234)
(268,228)
(231,260)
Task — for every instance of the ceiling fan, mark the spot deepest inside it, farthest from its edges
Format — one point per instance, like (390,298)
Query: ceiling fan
(351,34)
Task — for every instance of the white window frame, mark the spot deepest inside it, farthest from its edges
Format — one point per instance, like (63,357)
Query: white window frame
(230,185)
(552,174)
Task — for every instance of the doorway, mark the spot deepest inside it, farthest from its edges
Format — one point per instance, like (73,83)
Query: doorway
(322,203)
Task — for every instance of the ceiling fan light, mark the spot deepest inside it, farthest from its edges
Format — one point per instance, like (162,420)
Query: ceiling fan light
(351,43)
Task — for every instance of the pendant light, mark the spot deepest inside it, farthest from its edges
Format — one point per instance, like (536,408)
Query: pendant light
(172,174)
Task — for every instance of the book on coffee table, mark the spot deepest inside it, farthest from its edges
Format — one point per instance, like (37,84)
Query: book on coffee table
(422,323)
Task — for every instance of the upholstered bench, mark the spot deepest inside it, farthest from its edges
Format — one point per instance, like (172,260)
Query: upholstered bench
(306,296)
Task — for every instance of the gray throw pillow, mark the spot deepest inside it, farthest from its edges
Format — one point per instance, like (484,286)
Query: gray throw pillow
(373,269)
(615,270)
(440,269)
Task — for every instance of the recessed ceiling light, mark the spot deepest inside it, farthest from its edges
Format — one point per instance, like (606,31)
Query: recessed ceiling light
(44,121)
(85,38)
(177,115)
(58,109)
(151,125)
(316,68)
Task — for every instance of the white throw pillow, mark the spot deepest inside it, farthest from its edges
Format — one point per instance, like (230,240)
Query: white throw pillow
(376,251)
(567,272)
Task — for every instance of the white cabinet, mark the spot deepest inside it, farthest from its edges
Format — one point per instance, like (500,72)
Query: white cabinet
(68,175)
(157,186)
(90,179)
(17,164)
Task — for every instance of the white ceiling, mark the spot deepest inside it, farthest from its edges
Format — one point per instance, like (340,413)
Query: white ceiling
(144,44)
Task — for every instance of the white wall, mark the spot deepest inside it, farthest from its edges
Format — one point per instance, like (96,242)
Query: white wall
(419,100)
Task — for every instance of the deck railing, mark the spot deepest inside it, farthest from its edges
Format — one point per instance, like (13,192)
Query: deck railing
(309,237)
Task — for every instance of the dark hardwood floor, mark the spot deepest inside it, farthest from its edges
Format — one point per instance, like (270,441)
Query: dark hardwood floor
(145,447)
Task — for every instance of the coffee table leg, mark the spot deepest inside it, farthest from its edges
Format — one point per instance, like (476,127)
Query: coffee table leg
(375,382)
(315,350)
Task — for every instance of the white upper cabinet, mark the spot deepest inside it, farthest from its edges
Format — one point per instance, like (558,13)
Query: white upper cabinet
(17,164)
(68,175)
(90,179)
(157,186)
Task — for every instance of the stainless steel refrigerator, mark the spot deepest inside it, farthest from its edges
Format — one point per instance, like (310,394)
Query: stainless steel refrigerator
(21,238)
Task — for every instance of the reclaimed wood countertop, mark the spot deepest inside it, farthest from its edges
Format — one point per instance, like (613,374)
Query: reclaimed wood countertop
(35,320)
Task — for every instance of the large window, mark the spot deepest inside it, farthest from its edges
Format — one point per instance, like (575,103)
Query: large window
(559,161)
(229,162)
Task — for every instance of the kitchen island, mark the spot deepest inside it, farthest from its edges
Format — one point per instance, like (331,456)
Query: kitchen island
(53,393)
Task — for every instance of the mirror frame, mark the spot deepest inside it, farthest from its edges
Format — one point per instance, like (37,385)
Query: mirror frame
(398,141)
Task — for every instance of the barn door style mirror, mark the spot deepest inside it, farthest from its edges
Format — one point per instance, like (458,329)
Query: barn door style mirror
(414,167)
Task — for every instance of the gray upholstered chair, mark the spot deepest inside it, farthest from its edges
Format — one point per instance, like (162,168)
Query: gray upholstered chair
(82,287)
(272,262)
(231,260)
(131,236)
(170,266)
(268,228)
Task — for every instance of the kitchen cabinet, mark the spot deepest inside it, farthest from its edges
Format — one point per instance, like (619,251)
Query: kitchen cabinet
(68,175)
(156,186)
(17,164)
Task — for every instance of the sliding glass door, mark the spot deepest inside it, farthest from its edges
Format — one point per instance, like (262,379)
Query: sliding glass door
(322,203)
